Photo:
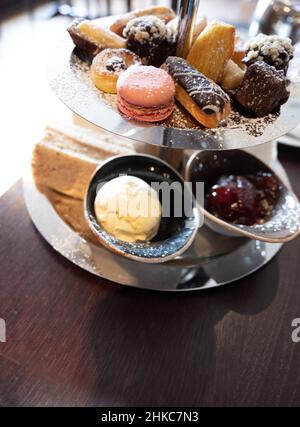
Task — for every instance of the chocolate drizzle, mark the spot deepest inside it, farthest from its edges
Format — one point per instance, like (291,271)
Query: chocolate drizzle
(207,94)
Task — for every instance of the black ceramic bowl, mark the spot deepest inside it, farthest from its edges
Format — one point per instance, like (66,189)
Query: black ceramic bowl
(209,166)
(175,234)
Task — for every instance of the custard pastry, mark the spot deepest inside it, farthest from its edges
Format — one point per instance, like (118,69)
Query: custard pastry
(212,50)
(108,65)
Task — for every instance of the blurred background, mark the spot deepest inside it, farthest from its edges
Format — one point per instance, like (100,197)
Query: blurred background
(28,30)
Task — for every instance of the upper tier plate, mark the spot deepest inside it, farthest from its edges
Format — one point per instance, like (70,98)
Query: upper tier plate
(69,77)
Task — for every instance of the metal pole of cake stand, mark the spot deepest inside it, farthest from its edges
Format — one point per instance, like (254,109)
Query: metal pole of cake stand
(188,10)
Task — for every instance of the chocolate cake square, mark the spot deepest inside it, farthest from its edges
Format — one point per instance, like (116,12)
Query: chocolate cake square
(263,89)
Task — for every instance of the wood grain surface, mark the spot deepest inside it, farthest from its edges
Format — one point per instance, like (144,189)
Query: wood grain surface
(74,339)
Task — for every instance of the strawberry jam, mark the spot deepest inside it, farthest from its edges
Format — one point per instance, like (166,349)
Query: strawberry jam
(247,200)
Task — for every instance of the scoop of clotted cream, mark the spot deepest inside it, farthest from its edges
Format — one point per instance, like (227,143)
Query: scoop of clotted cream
(128,209)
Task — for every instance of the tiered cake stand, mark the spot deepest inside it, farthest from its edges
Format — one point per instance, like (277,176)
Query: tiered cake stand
(213,260)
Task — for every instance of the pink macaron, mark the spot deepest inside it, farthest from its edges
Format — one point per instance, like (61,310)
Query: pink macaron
(146,93)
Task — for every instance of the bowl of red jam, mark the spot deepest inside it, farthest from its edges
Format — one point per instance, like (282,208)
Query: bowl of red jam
(243,197)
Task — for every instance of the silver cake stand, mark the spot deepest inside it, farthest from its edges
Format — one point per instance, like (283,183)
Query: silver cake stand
(213,260)
(69,77)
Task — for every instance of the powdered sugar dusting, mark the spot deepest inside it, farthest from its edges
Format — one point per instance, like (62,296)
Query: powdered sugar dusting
(273,49)
(180,118)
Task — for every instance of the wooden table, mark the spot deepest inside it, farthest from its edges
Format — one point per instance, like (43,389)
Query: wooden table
(74,339)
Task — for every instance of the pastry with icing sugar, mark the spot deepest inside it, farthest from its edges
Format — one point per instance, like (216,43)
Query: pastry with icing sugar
(90,36)
(274,50)
(108,65)
(212,50)
(200,96)
(150,39)
(263,89)
(232,77)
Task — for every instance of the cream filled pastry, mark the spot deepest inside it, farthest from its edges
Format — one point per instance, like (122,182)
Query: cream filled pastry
(129,209)
(91,37)
(200,96)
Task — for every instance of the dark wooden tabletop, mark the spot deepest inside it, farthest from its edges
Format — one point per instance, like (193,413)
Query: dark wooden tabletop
(74,339)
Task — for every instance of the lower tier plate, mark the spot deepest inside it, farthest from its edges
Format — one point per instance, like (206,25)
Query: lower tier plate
(212,261)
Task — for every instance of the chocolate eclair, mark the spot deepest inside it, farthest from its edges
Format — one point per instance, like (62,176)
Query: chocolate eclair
(200,96)
(262,90)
